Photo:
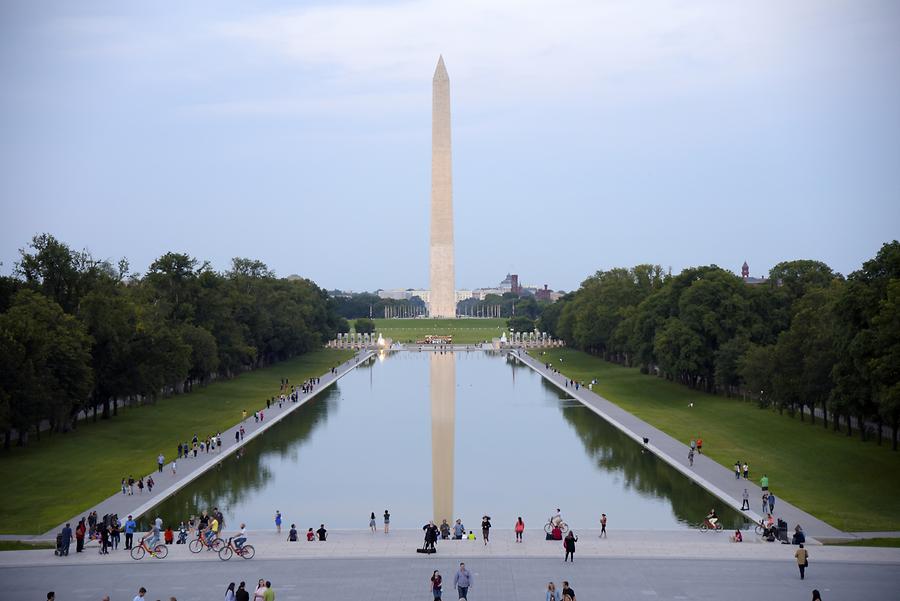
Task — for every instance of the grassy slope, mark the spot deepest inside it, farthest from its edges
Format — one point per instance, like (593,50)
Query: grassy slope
(871,542)
(17,545)
(849,484)
(61,475)
(464,331)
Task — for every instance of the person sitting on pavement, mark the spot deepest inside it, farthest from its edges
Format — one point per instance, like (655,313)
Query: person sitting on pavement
(471,535)
(737,537)
(292,535)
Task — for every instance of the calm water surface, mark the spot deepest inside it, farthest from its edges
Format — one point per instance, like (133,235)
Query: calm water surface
(430,435)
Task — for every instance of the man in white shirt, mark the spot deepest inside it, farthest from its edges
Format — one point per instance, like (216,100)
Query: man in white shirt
(241,537)
(140,595)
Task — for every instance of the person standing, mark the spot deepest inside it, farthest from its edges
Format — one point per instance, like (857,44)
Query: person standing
(229,592)
(66,540)
(278,521)
(567,593)
(130,526)
(603,526)
(746,471)
(816,595)
(141,485)
(765,501)
(764,483)
(552,593)
(372,522)
(459,530)
(699,446)
(771,503)
(802,556)
(462,580)
(436,582)
(80,529)
(569,546)
(270,592)
(174,467)
(745,501)
(160,461)
(260,593)
(140,596)
(241,594)
(519,528)
(387,521)
(691,457)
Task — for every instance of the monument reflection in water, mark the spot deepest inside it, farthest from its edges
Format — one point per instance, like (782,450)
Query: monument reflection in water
(432,435)
(442,374)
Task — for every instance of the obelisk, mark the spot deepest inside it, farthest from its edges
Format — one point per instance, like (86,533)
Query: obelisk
(443,281)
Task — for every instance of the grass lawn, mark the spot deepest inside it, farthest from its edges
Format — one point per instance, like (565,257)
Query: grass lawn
(59,476)
(17,545)
(852,485)
(870,542)
(464,331)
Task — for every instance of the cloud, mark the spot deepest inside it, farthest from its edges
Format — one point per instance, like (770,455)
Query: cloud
(529,46)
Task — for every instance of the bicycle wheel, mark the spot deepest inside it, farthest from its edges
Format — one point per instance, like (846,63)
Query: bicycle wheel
(138,552)
(563,527)
(548,527)
(760,530)
(719,527)
(160,551)
(195,546)
(247,552)
(704,527)
(217,544)
(225,553)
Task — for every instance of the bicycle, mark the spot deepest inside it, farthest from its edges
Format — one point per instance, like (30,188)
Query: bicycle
(761,528)
(159,551)
(198,544)
(245,551)
(548,527)
(706,525)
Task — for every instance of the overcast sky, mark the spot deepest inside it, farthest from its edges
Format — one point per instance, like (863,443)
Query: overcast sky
(586,134)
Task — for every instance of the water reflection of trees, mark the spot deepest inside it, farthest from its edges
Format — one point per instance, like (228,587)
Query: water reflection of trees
(644,472)
(241,474)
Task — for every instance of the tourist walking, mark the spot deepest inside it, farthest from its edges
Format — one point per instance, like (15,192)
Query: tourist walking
(552,593)
(436,582)
(462,580)
(278,521)
(765,502)
(745,503)
(737,470)
(699,446)
(567,593)
(372,522)
(764,482)
(603,526)
(519,528)
(387,521)
(229,592)
(150,484)
(141,485)
(65,540)
(771,503)
(160,462)
(459,530)
(802,556)
(486,528)
(174,467)
(746,471)
(569,546)
(691,457)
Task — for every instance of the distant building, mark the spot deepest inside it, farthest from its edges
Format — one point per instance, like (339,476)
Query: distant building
(543,294)
(510,283)
(745,275)
(393,294)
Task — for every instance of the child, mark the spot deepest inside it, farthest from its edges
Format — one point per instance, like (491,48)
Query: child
(471,535)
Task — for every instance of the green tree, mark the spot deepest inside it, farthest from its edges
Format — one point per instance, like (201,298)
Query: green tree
(364,325)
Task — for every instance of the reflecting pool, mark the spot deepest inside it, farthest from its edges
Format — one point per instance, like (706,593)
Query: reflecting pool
(445,435)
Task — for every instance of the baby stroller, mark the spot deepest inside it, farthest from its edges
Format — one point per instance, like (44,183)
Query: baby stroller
(59,551)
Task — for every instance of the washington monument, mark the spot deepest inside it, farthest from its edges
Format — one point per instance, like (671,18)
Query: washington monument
(443,281)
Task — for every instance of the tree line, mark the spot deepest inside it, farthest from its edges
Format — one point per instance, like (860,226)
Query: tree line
(78,334)
(807,340)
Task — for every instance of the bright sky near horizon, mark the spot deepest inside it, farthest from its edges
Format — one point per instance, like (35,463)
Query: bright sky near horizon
(587,134)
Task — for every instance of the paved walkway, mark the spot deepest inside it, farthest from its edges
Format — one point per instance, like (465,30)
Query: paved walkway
(715,478)
(684,544)
(188,470)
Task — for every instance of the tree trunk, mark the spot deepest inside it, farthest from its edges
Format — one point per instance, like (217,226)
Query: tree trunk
(894,436)
(862,428)
(880,429)
(115,406)
(105,406)
(7,438)
(812,414)
(849,426)
(825,415)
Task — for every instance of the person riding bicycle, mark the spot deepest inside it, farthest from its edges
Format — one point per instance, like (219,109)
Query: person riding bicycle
(151,539)
(241,537)
(556,518)
(209,533)
(712,518)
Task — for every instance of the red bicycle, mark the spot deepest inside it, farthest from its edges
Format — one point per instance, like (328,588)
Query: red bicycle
(245,551)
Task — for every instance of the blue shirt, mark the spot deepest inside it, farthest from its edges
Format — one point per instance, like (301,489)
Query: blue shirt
(130,526)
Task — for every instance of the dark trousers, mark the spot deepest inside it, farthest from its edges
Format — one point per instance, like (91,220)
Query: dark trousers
(745,505)
(79,545)
(569,554)
(463,591)
(802,571)
(602,529)
(129,538)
